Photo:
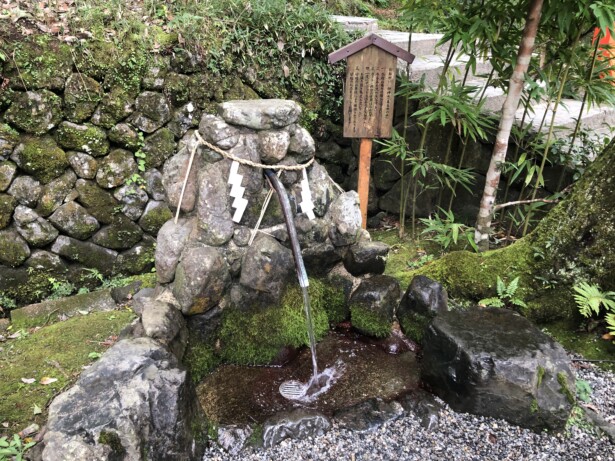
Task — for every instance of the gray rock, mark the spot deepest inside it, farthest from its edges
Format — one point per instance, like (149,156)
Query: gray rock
(425,406)
(54,193)
(213,209)
(201,278)
(26,190)
(138,259)
(216,131)
(150,408)
(153,184)
(339,276)
(301,143)
(7,206)
(8,170)
(40,157)
(119,235)
(273,145)
(83,164)
(345,215)
(35,230)
(493,362)
(153,111)
(171,240)
(261,114)
(177,88)
(425,297)
(46,261)
(183,119)
(154,217)
(155,73)
(84,138)
(204,327)
(133,199)
(8,140)
(173,177)
(74,220)
(373,303)
(114,107)
(233,438)
(86,253)
(368,415)
(164,323)
(14,249)
(366,258)
(296,424)
(99,202)
(322,189)
(319,258)
(158,147)
(35,112)
(267,266)
(126,136)
(81,96)
(116,168)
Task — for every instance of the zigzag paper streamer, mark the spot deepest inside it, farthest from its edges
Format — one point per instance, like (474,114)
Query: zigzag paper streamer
(237,191)
(307,206)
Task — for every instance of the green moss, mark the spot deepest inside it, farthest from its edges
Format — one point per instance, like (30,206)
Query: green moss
(177,88)
(256,437)
(113,441)
(534,406)
(85,138)
(39,62)
(98,202)
(540,376)
(154,219)
(42,158)
(588,344)
(369,322)
(201,359)
(413,325)
(58,351)
(158,147)
(562,379)
(256,335)
(7,206)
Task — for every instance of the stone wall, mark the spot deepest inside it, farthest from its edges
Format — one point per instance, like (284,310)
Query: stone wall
(82,149)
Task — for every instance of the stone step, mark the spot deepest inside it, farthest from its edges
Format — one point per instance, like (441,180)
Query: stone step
(597,118)
(422,44)
(431,66)
(355,23)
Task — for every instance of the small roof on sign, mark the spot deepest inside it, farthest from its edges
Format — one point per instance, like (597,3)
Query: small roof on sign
(368,40)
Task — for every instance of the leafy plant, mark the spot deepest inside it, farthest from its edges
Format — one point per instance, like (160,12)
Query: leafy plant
(446,231)
(13,449)
(584,390)
(60,288)
(424,259)
(506,295)
(590,299)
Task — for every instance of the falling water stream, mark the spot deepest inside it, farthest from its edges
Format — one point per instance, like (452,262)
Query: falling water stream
(320,382)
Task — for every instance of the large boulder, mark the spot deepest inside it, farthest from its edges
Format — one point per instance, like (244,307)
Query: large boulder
(136,402)
(153,111)
(261,114)
(26,190)
(172,239)
(493,362)
(424,299)
(213,207)
(200,279)
(86,253)
(116,168)
(13,249)
(345,216)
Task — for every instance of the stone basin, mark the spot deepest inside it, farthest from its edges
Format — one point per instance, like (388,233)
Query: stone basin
(248,395)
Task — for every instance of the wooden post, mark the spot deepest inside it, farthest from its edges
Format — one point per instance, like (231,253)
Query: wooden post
(365,157)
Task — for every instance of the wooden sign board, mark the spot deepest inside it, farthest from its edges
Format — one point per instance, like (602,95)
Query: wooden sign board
(369,94)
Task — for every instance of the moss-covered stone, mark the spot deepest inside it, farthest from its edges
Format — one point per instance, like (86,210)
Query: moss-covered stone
(126,136)
(8,171)
(120,235)
(39,62)
(158,147)
(115,106)
(54,193)
(177,88)
(7,206)
(113,441)
(8,140)
(35,112)
(81,96)
(242,338)
(96,58)
(85,138)
(115,168)
(41,157)
(200,358)
(413,325)
(99,203)
(154,216)
(14,249)
(156,71)
(138,259)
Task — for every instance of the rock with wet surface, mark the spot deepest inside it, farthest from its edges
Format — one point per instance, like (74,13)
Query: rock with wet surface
(424,296)
(493,362)
(345,216)
(233,438)
(373,303)
(295,424)
(37,231)
(74,220)
(96,420)
(368,415)
(366,258)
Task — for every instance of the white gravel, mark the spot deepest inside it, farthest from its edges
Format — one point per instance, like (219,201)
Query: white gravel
(458,437)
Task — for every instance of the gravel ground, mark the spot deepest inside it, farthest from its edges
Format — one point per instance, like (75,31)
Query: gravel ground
(458,437)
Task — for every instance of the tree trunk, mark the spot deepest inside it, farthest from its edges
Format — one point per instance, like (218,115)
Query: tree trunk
(485,213)
(573,243)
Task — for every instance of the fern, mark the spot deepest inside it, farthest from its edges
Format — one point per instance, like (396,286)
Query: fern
(506,295)
(590,298)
